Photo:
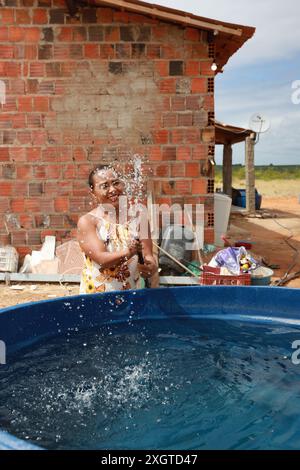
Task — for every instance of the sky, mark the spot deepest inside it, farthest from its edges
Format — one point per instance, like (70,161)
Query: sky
(262,77)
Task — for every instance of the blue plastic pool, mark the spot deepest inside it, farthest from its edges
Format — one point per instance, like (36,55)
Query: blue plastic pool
(177,368)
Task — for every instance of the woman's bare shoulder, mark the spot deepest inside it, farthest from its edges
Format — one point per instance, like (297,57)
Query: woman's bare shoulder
(90,220)
(87,221)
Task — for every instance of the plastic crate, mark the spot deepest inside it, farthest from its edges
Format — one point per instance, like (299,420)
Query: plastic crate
(212,277)
(8,259)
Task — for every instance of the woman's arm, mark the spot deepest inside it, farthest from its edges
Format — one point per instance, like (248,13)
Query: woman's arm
(95,248)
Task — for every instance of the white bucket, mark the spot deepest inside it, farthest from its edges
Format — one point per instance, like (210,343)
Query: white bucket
(222,213)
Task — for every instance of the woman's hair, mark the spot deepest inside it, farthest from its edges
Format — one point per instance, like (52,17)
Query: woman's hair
(94,172)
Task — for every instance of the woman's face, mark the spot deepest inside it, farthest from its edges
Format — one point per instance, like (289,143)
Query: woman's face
(107,187)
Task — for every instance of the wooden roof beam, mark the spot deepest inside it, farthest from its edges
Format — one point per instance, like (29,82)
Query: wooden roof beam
(170,15)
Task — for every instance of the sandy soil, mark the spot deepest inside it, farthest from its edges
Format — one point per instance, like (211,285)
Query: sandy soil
(270,235)
(274,188)
(278,221)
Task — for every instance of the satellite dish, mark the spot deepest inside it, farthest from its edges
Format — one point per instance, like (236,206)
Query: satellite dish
(259,123)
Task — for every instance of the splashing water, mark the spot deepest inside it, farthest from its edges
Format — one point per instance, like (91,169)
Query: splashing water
(170,384)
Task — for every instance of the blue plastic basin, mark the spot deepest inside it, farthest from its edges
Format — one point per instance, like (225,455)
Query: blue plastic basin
(27,324)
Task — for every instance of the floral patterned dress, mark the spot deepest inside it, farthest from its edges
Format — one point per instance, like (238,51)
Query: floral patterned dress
(93,278)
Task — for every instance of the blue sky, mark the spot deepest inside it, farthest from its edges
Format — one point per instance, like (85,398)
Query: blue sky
(259,77)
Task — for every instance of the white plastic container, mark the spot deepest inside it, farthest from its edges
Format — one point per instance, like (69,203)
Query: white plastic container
(8,259)
(222,213)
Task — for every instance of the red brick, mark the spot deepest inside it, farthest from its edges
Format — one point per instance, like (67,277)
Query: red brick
(19,238)
(19,121)
(169,120)
(192,135)
(167,85)
(193,102)
(6,51)
(205,68)
(79,154)
(178,103)
(161,67)
(91,51)
(7,16)
(69,172)
(107,51)
(22,16)
(3,33)
(183,187)
(39,171)
(79,33)
(33,154)
(167,187)
(155,153)
(41,103)
(208,103)
(192,34)
(39,137)
(34,120)
(199,152)
(192,170)
(17,154)
(10,105)
(12,69)
(4,155)
(45,233)
(160,136)
(118,17)
(26,221)
(169,153)
(61,204)
(53,171)
(153,51)
(24,137)
(199,85)
(112,33)
(171,52)
(199,50)
(162,170)
(199,186)
(32,34)
(34,237)
(183,153)
(37,69)
(177,170)
(40,16)
(192,68)
(16,34)
(6,188)
(209,235)
(65,34)
(177,136)
(6,121)
(25,103)
(17,205)
(185,119)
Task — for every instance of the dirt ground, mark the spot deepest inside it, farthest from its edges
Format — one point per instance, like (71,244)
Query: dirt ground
(278,221)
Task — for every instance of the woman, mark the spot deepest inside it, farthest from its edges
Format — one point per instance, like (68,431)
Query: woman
(111,249)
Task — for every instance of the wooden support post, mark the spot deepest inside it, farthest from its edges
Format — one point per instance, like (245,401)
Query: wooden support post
(250,176)
(227,169)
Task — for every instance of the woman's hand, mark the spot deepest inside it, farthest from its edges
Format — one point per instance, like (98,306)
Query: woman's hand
(122,272)
(134,247)
(149,267)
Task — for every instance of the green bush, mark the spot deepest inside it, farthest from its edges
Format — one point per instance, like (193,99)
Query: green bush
(263,172)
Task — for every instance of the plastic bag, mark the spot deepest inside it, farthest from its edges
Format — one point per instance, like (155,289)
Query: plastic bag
(234,259)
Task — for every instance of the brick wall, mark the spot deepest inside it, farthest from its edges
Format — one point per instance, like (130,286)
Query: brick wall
(97,87)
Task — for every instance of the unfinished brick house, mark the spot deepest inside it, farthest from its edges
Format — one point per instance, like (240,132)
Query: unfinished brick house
(94,81)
